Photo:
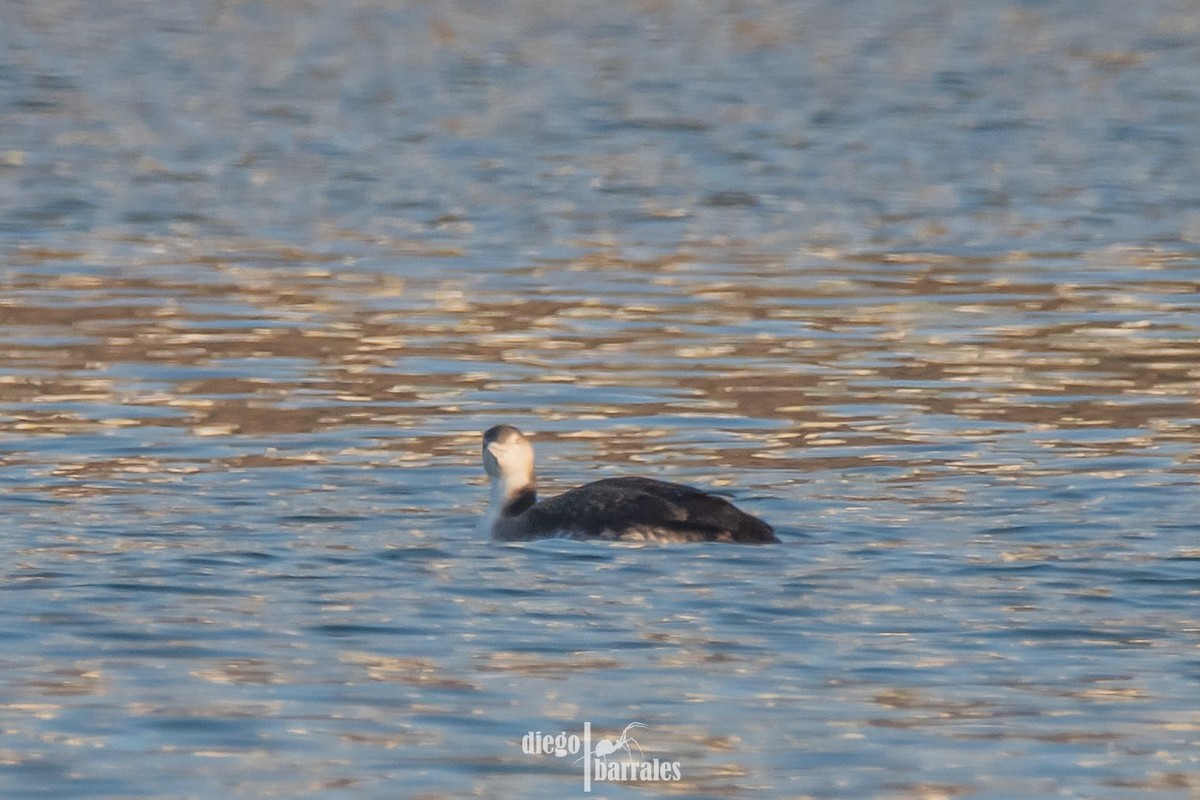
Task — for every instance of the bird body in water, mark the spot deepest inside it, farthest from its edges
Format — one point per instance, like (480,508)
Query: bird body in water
(625,509)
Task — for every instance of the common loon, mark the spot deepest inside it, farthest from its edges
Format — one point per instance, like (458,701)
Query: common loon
(625,509)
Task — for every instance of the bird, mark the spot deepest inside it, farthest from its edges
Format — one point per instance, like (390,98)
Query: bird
(612,509)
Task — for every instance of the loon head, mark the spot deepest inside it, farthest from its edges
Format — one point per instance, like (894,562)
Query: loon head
(508,458)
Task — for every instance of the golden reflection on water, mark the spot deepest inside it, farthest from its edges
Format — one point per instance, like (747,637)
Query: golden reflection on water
(826,354)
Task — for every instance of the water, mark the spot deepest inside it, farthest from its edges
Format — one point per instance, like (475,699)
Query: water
(917,285)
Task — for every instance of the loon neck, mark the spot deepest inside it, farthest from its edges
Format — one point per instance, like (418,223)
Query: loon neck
(510,498)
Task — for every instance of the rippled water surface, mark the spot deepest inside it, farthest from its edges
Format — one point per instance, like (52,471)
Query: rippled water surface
(917,283)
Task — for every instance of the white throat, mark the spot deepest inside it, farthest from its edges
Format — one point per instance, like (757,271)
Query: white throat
(504,489)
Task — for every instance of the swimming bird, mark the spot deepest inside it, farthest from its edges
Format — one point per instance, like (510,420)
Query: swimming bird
(626,509)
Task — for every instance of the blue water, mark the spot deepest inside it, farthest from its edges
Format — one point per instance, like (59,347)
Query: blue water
(919,286)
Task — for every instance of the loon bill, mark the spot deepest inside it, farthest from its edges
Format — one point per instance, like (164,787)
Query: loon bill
(626,509)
